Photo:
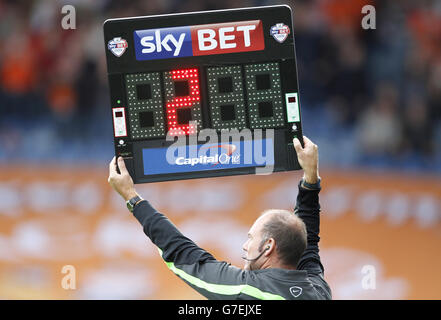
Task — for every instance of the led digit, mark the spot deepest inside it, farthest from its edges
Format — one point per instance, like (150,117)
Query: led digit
(265,104)
(182,96)
(225,92)
(145,105)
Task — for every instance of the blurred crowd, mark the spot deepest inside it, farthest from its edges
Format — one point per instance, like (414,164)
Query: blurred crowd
(368,97)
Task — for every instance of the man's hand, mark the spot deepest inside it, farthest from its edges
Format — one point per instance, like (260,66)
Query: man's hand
(308,159)
(121,182)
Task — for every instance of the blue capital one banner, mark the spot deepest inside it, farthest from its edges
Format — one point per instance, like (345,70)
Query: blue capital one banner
(209,156)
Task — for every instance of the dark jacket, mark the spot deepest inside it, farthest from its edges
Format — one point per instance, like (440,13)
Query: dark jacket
(219,280)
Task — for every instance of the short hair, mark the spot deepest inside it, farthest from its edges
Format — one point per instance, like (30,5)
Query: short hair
(289,233)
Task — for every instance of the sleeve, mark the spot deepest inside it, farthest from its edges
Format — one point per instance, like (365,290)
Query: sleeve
(308,209)
(198,268)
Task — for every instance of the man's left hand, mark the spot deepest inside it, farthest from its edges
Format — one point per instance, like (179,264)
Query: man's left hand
(121,182)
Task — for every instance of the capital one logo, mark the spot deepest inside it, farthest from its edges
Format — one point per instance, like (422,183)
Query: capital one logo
(199,40)
(226,157)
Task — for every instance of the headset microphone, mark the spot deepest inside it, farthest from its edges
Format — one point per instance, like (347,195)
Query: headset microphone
(251,260)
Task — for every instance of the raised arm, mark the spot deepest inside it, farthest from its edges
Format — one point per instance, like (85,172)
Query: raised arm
(212,278)
(307,205)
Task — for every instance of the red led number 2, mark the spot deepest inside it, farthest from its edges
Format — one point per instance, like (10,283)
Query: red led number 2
(182,103)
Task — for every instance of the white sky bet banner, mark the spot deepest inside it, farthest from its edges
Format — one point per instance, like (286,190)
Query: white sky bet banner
(208,39)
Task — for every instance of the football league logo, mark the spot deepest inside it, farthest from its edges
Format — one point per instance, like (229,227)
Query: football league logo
(280,32)
(117,46)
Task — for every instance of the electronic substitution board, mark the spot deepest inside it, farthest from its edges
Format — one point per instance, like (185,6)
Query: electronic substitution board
(204,94)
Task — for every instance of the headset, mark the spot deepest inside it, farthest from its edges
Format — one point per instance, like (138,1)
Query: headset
(263,251)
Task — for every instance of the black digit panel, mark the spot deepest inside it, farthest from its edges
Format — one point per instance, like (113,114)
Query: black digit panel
(265,104)
(145,105)
(226,97)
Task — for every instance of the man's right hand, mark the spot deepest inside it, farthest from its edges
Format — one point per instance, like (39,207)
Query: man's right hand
(308,159)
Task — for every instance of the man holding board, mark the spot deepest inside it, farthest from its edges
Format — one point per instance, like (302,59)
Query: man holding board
(282,259)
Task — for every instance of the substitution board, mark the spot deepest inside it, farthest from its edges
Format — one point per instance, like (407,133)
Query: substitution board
(204,94)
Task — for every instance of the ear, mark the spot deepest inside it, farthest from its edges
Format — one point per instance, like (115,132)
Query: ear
(270,247)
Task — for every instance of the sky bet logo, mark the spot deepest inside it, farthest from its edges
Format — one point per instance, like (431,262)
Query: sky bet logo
(199,40)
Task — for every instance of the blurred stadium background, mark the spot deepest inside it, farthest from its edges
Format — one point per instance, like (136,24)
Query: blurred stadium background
(371,100)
